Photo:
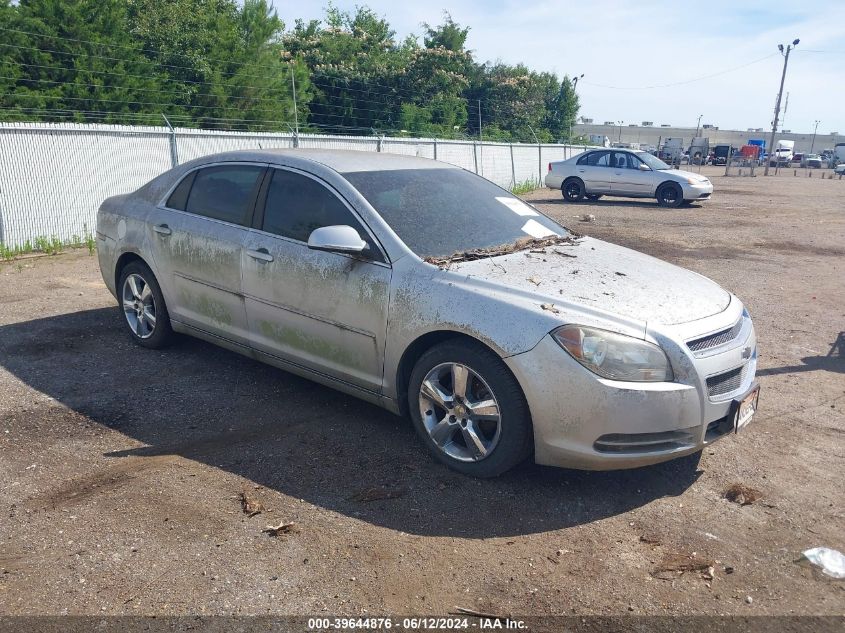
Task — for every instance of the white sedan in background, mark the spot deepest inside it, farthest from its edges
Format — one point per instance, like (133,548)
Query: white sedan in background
(626,173)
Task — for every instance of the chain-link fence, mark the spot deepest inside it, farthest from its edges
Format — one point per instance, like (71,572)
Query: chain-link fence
(53,177)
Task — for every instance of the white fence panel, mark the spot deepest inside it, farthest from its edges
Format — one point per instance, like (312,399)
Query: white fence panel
(409,147)
(319,141)
(53,177)
(458,153)
(495,164)
(526,160)
(193,144)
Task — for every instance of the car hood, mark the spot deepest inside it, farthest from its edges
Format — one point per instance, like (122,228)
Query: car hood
(602,276)
(682,175)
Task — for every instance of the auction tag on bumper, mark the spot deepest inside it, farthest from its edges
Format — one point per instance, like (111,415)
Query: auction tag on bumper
(746,409)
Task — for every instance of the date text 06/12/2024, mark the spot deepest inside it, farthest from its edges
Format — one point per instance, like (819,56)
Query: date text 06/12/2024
(412,624)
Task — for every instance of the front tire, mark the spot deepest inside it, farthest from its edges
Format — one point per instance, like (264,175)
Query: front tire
(469,409)
(670,194)
(143,307)
(573,190)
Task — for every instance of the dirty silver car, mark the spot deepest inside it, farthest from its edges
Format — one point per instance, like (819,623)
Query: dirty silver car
(431,292)
(627,173)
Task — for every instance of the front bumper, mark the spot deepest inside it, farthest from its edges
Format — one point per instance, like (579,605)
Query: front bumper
(587,422)
(697,191)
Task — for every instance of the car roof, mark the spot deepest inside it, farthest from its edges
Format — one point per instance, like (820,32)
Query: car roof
(340,160)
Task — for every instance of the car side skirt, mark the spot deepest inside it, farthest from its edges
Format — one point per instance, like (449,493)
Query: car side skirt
(291,367)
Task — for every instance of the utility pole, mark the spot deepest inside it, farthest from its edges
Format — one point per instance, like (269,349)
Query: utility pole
(574,92)
(295,114)
(479,122)
(619,140)
(815,129)
(777,104)
(692,142)
(480,138)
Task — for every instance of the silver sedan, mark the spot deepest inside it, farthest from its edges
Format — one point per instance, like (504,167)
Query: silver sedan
(626,173)
(433,293)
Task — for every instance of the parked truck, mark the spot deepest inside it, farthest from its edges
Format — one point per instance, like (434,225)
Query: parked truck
(599,140)
(721,154)
(672,150)
(838,154)
(782,154)
(761,143)
(699,150)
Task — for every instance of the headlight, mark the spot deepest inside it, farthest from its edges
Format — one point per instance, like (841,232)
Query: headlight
(696,181)
(614,356)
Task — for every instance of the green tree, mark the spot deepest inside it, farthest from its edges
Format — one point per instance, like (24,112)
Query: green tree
(562,108)
(449,35)
(74,57)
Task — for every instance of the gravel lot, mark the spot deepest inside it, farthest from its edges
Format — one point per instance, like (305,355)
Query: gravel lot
(122,468)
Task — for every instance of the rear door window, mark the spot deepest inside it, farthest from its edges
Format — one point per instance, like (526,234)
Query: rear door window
(179,198)
(596,159)
(225,192)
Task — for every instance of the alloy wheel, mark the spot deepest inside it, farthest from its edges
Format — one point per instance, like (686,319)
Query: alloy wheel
(460,412)
(139,306)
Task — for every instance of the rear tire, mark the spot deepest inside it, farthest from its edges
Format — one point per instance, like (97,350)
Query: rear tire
(469,409)
(670,194)
(143,308)
(573,190)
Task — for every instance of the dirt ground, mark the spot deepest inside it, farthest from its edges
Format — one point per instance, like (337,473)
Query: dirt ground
(121,468)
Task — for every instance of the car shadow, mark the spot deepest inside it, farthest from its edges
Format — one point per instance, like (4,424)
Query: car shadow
(833,361)
(646,203)
(203,403)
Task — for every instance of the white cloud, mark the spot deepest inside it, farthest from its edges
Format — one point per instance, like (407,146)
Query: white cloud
(658,42)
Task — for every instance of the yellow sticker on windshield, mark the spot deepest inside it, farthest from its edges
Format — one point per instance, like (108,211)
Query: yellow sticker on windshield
(517,206)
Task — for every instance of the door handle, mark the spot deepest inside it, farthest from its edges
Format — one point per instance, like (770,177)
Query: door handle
(581,171)
(262,254)
(162,229)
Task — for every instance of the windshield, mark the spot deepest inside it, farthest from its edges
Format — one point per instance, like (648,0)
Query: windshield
(652,161)
(440,212)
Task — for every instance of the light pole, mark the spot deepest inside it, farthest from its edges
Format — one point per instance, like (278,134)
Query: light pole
(574,92)
(777,104)
(698,125)
(619,140)
(815,129)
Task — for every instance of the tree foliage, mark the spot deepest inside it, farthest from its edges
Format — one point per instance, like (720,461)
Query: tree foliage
(221,64)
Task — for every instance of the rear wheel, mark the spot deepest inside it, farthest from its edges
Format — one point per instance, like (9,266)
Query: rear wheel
(669,194)
(469,409)
(143,307)
(573,190)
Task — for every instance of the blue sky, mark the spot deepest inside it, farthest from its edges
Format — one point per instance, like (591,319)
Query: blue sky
(630,45)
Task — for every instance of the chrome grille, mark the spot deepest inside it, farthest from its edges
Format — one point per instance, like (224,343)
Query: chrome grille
(729,381)
(717,339)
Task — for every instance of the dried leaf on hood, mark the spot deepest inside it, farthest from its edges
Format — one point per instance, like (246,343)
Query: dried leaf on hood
(550,307)
(535,281)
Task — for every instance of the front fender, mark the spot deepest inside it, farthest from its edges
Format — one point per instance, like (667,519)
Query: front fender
(426,299)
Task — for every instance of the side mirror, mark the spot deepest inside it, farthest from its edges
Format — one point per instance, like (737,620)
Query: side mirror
(337,239)
(644,167)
